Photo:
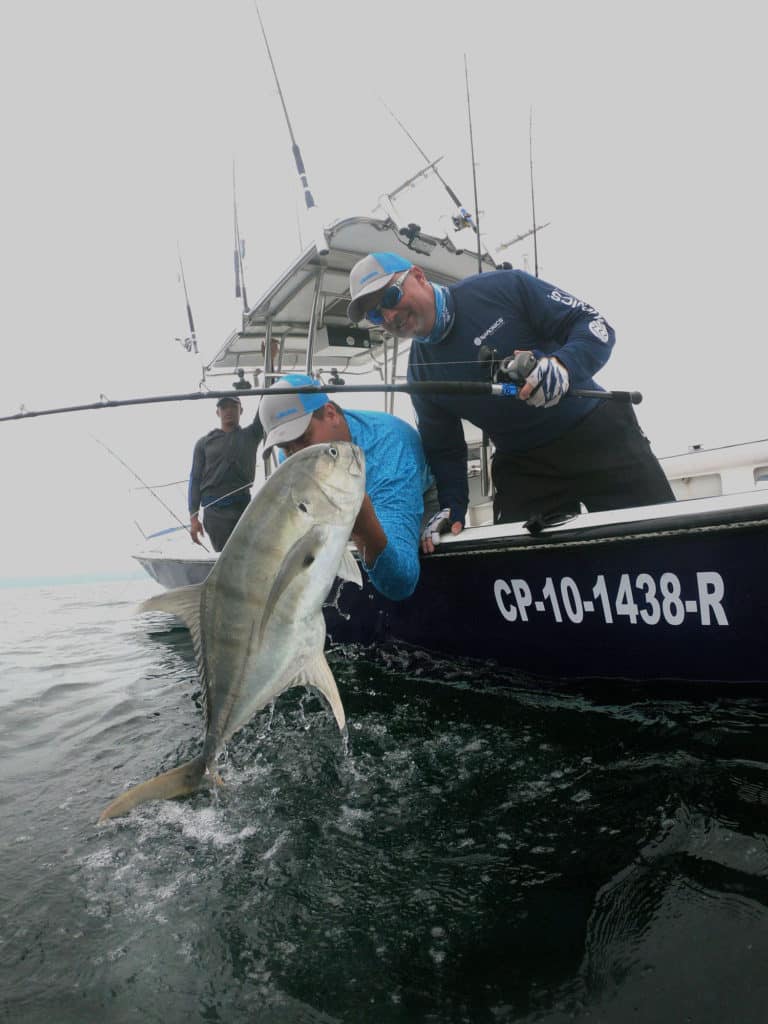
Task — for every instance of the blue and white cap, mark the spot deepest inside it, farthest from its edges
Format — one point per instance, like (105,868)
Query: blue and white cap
(286,417)
(370,274)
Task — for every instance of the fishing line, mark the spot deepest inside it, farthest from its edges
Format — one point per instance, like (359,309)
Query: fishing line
(143,483)
(227,495)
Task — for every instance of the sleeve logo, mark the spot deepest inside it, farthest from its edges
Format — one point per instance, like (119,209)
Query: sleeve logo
(600,331)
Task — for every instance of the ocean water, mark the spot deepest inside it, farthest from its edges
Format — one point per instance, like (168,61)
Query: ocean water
(485,851)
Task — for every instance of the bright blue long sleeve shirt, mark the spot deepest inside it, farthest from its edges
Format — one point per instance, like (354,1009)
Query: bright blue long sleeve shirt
(396,476)
(506,310)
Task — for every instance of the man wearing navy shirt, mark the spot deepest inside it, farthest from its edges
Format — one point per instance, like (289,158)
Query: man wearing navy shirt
(550,455)
(223,467)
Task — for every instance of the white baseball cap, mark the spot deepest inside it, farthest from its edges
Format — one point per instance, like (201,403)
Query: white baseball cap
(370,274)
(286,416)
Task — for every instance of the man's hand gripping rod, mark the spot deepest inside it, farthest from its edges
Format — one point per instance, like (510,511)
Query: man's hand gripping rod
(509,375)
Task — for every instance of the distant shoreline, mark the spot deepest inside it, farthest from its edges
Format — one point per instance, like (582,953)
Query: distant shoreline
(71,578)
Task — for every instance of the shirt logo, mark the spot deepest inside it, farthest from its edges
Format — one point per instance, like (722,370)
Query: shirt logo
(491,330)
(597,327)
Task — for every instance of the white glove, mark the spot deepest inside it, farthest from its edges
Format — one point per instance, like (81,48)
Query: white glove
(550,382)
(439,523)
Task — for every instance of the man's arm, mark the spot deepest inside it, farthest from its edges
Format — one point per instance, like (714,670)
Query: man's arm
(196,530)
(584,336)
(386,531)
(445,449)
(368,534)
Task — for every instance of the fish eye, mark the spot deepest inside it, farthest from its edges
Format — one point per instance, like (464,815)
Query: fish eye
(303,506)
(333,451)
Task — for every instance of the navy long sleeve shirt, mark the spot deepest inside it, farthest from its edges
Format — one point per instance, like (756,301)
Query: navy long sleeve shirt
(507,310)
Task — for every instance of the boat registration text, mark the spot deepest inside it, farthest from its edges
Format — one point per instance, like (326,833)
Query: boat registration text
(641,598)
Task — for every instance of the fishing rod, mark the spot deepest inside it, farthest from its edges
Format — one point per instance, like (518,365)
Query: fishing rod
(152,491)
(524,234)
(465,217)
(500,388)
(309,199)
(185,526)
(190,343)
(534,232)
(408,182)
(474,171)
(239,249)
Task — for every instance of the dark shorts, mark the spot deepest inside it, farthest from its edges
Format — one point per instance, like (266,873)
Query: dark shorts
(605,462)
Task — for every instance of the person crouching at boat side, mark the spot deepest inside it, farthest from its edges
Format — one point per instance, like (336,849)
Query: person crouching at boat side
(550,455)
(398,482)
(223,468)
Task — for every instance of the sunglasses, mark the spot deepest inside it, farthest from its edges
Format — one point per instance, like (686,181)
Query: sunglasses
(391,297)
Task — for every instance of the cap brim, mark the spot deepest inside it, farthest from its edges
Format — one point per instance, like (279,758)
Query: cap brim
(354,312)
(286,432)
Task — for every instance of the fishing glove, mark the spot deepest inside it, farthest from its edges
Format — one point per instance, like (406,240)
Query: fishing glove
(550,382)
(439,523)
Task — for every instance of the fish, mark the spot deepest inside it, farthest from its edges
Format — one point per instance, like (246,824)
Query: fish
(256,622)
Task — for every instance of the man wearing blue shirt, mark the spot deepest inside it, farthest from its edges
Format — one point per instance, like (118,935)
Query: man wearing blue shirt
(550,456)
(386,531)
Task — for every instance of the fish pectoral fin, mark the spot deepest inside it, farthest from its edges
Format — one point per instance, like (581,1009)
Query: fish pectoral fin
(318,673)
(297,560)
(349,569)
(184,603)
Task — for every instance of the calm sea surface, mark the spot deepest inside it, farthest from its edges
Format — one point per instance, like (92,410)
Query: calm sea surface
(484,852)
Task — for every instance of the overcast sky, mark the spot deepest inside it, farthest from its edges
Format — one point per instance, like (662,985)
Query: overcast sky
(121,122)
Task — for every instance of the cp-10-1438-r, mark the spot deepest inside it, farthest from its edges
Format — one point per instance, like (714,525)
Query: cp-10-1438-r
(641,598)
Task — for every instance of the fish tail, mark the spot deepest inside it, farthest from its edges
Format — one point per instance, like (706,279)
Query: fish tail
(181,781)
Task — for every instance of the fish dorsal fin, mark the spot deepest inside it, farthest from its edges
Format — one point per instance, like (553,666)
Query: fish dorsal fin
(349,568)
(317,673)
(297,560)
(184,603)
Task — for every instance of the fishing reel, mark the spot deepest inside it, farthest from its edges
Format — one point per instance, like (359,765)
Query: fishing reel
(241,384)
(510,369)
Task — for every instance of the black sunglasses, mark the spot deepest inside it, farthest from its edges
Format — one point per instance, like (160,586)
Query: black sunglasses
(391,297)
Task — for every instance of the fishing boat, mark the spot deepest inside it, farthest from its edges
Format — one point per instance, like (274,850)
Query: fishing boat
(673,591)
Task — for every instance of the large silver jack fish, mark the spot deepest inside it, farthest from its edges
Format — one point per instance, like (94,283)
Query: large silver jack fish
(257,622)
